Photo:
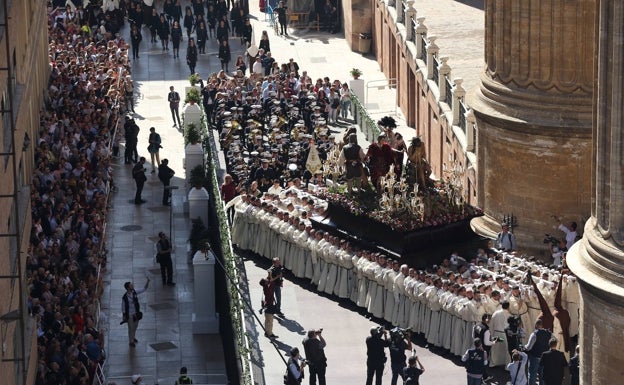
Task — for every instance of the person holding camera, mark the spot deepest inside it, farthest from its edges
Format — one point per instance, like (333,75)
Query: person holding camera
(276,273)
(313,346)
(412,373)
(138,173)
(294,371)
(517,367)
(131,309)
(400,341)
(376,357)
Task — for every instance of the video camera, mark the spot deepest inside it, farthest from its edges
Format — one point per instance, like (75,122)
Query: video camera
(550,239)
(400,333)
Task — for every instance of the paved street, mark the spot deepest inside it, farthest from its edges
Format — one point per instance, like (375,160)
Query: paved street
(165,338)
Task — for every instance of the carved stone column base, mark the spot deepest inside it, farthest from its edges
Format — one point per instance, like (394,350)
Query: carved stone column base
(598,264)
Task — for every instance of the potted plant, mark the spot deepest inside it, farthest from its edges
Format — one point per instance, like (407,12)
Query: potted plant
(194,79)
(199,236)
(191,135)
(192,96)
(355,72)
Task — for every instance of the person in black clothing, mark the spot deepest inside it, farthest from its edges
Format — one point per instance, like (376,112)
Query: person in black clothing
(398,345)
(198,7)
(314,346)
(247,32)
(183,379)
(222,31)
(189,21)
(264,44)
(165,173)
(131,133)
(281,18)
(176,38)
(138,173)
(211,20)
(235,21)
(191,55)
(163,32)
(163,257)
(209,94)
(552,364)
(176,11)
(225,55)
(174,105)
(276,273)
(476,360)
(376,357)
(202,36)
(574,367)
(135,39)
(168,11)
(153,23)
(412,373)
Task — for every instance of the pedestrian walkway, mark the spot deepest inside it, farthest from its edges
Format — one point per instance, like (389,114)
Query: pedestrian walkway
(165,338)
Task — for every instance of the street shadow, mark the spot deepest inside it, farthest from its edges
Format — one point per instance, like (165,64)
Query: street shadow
(478,4)
(291,325)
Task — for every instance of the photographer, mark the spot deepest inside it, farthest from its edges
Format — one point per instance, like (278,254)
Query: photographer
(412,373)
(400,341)
(294,371)
(313,346)
(376,357)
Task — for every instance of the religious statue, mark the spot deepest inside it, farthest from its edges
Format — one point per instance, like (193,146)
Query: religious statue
(418,169)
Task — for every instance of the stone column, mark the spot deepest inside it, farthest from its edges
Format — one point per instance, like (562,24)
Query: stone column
(534,110)
(598,259)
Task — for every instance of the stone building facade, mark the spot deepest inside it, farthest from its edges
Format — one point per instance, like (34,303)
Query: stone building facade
(24,74)
(522,131)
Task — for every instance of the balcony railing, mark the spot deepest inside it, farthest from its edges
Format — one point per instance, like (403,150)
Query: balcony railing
(448,96)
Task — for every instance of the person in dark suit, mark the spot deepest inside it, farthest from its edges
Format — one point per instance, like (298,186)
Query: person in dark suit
(552,364)
(138,173)
(574,367)
(165,173)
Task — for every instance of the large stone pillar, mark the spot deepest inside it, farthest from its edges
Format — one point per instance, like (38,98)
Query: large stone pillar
(533,111)
(598,259)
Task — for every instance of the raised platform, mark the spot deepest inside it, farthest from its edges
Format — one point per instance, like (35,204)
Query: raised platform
(368,233)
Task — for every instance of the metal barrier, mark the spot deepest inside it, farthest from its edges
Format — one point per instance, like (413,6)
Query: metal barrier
(383,84)
(363,120)
(198,379)
(127,380)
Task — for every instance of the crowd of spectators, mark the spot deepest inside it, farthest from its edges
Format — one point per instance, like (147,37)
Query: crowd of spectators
(69,193)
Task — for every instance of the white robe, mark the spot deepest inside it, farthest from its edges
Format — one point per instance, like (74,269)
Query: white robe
(498,324)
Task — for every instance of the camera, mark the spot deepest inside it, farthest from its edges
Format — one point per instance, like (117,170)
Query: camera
(319,331)
(550,239)
(400,333)
(379,331)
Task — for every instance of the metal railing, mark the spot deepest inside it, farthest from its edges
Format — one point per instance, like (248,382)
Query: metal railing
(423,43)
(448,96)
(412,25)
(462,117)
(436,72)
(363,119)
